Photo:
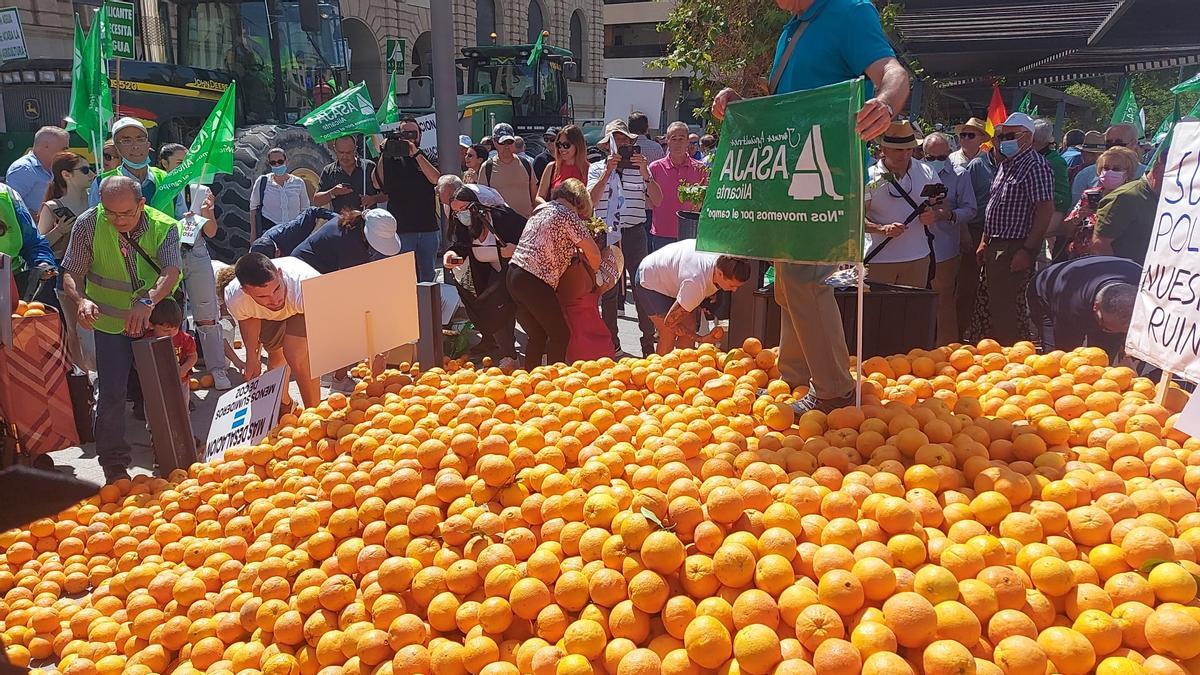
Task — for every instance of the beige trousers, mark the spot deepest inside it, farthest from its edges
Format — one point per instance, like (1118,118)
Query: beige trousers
(812,343)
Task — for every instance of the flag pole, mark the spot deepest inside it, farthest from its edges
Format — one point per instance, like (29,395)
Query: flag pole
(858,338)
(117,112)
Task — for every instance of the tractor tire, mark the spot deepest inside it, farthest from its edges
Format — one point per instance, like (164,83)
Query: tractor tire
(231,192)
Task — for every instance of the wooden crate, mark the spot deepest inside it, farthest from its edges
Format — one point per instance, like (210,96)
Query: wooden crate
(896,318)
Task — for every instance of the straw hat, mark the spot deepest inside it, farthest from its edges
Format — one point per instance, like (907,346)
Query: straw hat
(974,124)
(1093,141)
(899,136)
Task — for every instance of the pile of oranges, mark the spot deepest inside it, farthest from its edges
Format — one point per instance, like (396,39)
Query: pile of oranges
(987,510)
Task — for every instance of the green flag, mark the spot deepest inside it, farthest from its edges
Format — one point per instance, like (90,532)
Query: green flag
(1165,127)
(91,111)
(1126,110)
(388,113)
(211,153)
(787,179)
(346,114)
(1034,113)
(1192,84)
(1026,104)
(538,46)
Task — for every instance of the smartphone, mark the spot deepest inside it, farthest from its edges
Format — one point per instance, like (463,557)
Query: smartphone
(627,152)
(933,190)
(1093,199)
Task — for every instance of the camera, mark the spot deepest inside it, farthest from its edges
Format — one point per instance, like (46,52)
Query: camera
(627,152)
(934,191)
(397,147)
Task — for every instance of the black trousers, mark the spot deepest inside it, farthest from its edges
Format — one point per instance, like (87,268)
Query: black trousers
(540,315)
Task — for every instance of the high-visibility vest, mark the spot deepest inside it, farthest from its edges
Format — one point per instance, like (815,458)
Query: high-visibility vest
(12,240)
(108,283)
(156,174)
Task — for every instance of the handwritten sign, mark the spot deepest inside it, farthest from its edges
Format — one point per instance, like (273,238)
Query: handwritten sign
(245,414)
(12,38)
(1165,329)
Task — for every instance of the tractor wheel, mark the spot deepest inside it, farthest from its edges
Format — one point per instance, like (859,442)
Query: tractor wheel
(306,158)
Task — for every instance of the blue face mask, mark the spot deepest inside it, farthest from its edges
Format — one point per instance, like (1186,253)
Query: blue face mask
(937,165)
(279,170)
(1010,148)
(135,167)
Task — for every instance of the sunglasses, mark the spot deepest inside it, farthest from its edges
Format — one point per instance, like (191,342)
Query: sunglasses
(937,158)
(86,169)
(967,134)
(1007,137)
(276,162)
(565,145)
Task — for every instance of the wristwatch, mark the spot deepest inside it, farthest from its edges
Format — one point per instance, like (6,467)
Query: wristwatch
(147,302)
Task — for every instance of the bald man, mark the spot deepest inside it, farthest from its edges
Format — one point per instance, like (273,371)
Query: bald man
(30,174)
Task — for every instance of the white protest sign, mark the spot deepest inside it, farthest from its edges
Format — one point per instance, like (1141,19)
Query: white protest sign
(12,38)
(1165,329)
(1189,418)
(190,226)
(428,124)
(245,414)
(623,97)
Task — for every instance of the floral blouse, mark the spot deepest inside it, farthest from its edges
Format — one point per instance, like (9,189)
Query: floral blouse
(549,242)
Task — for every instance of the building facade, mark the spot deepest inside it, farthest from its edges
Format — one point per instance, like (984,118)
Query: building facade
(632,39)
(366,27)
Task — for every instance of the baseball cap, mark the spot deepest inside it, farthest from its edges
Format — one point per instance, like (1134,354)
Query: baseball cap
(503,133)
(464,141)
(127,122)
(380,229)
(552,132)
(1019,119)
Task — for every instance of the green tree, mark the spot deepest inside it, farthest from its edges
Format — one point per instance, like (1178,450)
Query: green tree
(1101,111)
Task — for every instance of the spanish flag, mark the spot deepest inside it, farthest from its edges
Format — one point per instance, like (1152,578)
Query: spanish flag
(997,113)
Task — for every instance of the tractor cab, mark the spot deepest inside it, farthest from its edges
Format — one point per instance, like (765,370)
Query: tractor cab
(500,77)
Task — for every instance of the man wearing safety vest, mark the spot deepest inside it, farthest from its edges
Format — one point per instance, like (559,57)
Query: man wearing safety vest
(19,239)
(133,147)
(123,258)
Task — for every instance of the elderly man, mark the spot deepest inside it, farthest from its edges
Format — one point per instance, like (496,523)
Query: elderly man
(979,173)
(670,172)
(347,182)
(1089,151)
(826,42)
(266,299)
(30,173)
(949,232)
(509,173)
(622,189)
(132,144)
(1018,213)
(1087,301)
(972,134)
(122,260)
(407,179)
(1123,135)
(1125,220)
(898,218)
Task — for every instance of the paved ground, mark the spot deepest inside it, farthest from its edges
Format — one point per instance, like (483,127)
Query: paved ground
(81,461)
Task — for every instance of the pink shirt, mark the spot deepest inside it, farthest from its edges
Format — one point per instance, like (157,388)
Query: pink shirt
(669,176)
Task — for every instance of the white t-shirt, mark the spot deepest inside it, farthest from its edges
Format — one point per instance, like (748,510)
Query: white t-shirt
(884,206)
(295,271)
(679,271)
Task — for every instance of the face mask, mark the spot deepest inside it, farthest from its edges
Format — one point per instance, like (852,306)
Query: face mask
(937,164)
(279,170)
(1010,148)
(135,167)
(464,217)
(1111,179)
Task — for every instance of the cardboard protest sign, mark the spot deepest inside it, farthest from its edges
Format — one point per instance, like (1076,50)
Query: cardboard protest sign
(787,180)
(624,97)
(1165,329)
(245,414)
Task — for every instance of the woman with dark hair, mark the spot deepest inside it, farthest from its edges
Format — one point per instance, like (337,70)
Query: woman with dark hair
(476,155)
(170,155)
(570,161)
(482,244)
(111,159)
(66,198)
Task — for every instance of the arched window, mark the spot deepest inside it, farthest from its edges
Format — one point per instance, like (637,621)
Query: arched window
(422,55)
(577,42)
(485,21)
(536,22)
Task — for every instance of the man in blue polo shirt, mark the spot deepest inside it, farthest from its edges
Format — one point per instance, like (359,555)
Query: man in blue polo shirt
(826,42)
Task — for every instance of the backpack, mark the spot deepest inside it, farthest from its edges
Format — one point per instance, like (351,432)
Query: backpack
(489,165)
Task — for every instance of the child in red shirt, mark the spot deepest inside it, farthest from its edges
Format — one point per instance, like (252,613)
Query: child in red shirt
(166,320)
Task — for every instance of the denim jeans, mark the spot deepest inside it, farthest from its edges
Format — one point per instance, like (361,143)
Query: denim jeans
(114,363)
(200,284)
(425,245)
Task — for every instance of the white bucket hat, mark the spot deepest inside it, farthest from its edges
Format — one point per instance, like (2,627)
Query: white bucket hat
(380,228)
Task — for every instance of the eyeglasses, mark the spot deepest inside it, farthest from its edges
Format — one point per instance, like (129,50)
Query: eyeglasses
(136,213)
(108,157)
(86,169)
(1114,144)
(276,162)
(970,135)
(133,142)
(565,145)
(1007,137)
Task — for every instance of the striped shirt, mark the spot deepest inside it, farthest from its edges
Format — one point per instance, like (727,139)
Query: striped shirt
(1021,183)
(78,260)
(631,196)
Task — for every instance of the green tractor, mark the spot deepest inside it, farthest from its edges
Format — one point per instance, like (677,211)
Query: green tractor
(282,71)
(497,84)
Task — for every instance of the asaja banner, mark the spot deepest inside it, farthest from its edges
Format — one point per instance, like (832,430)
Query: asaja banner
(1165,329)
(787,180)
(347,114)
